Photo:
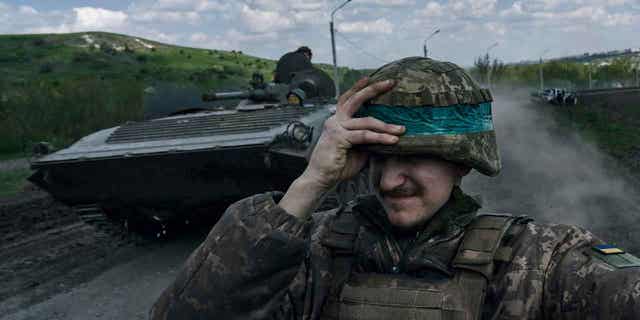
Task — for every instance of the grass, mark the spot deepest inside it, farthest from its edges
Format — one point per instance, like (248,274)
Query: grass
(12,182)
(12,156)
(615,131)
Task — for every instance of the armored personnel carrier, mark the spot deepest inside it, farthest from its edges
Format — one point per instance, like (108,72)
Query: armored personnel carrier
(193,161)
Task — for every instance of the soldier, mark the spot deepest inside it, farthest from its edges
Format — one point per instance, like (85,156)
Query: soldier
(292,62)
(414,250)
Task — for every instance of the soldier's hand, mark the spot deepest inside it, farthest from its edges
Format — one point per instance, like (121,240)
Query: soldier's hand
(334,159)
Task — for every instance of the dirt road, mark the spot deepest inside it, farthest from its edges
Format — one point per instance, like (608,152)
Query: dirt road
(53,266)
(125,291)
(14,164)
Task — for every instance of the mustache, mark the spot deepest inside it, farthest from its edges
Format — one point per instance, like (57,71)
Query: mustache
(404,190)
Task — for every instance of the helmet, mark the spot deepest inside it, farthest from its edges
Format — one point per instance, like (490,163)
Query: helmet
(305,49)
(445,112)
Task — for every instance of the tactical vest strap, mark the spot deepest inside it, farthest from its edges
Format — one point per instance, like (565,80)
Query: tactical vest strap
(342,233)
(481,244)
(341,240)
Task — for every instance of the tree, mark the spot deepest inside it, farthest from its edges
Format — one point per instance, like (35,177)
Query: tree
(498,70)
(481,67)
(619,71)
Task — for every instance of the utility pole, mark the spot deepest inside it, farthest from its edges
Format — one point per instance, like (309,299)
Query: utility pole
(336,81)
(424,46)
(542,76)
(541,71)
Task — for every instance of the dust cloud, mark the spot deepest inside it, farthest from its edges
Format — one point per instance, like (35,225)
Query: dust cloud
(550,173)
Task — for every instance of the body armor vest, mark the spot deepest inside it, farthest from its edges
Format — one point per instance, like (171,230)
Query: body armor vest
(373,296)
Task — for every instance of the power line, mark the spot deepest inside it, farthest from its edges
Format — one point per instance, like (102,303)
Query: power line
(359,48)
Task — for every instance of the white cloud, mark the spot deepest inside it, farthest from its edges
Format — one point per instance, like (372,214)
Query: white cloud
(174,11)
(432,9)
(98,18)
(459,8)
(388,3)
(614,3)
(593,13)
(544,4)
(190,17)
(381,25)
(263,21)
(27,10)
(234,39)
(199,37)
(162,36)
(496,28)
(620,19)
(309,5)
(188,5)
(481,8)
(514,11)
(310,17)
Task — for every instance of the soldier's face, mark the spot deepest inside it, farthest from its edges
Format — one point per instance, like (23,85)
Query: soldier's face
(413,188)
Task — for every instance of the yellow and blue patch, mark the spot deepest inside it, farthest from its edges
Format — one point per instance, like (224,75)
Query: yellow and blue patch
(607,249)
(615,256)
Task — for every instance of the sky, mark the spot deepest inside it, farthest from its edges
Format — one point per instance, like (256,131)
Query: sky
(369,32)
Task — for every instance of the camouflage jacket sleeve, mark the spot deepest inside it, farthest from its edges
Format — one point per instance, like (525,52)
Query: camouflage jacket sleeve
(555,273)
(582,283)
(245,269)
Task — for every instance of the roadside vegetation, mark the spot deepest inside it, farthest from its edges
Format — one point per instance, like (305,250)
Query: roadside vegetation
(613,126)
(12,182)
(617,72)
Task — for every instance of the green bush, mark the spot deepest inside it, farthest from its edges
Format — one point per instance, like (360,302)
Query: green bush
(41,111)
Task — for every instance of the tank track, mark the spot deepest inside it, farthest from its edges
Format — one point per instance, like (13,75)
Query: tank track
(118,225)
(104,226)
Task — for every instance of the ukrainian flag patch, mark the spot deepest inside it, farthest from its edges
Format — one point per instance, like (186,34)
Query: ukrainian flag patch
(608,249)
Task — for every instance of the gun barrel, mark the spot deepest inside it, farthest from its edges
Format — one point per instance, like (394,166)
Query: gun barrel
(226,95)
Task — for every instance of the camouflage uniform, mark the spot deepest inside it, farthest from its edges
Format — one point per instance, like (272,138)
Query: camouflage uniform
(259,262)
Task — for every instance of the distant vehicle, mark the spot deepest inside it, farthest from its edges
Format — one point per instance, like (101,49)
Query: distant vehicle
(193,162)
(556,96)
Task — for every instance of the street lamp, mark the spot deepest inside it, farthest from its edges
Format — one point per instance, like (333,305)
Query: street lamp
(541,72)
(333,49)
(489,66)
(424,47)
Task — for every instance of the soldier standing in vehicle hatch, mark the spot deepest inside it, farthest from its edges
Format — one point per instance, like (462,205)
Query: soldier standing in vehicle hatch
(414,250)
(292,62)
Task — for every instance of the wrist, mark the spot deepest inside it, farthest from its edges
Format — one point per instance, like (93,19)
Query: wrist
(312,180)
(303,196)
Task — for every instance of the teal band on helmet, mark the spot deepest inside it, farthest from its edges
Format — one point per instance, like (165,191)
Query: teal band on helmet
(425,121)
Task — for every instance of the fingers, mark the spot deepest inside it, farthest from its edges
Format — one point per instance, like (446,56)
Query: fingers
(355,137)
(373,124)
(349,107)
(359,85)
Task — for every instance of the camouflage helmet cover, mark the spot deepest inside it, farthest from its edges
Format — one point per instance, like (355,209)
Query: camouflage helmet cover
(436,87)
